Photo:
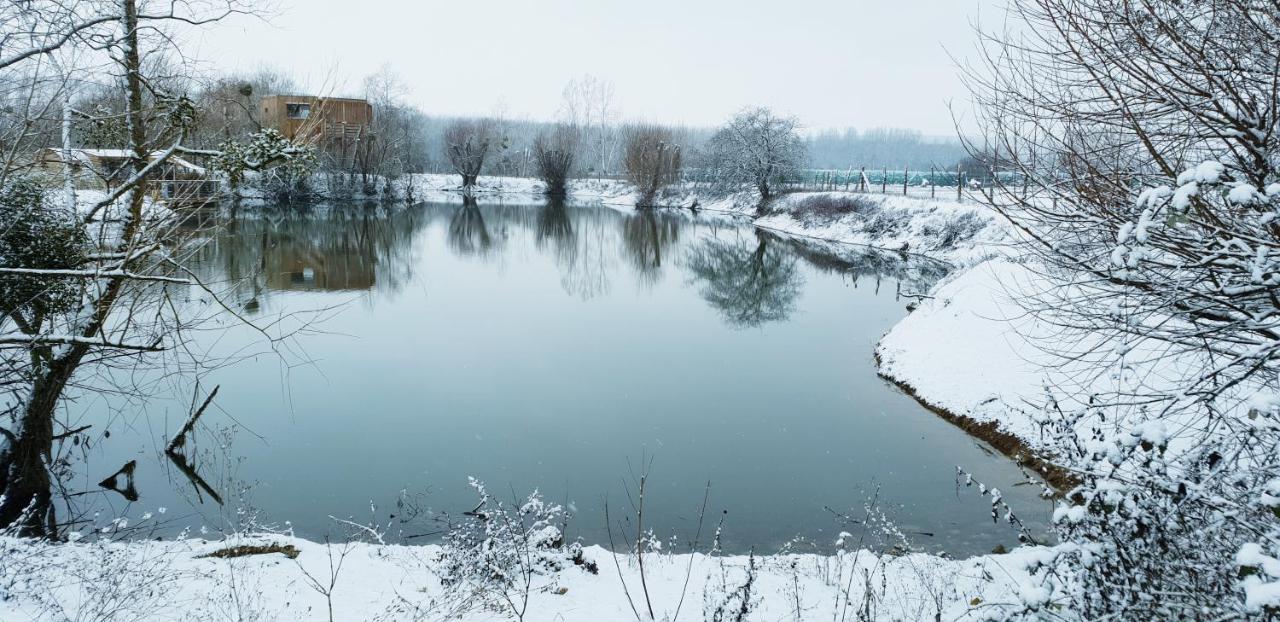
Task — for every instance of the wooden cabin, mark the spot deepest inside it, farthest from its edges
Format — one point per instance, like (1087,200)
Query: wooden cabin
(333,125)
(177,181)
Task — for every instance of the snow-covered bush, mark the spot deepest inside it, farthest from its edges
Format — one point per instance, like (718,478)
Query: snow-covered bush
(495,557)
(826,207)
(1152,200)
(38,236)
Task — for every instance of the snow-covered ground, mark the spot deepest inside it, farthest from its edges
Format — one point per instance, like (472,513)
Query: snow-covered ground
(959,233)
(971,349)
(178,580)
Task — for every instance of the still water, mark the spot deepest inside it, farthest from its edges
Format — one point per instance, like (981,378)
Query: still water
(560,348)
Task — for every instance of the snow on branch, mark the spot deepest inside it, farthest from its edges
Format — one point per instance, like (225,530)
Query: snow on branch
(23,340)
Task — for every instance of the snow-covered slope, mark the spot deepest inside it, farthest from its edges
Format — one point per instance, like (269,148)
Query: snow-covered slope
(959,233)
(178,580)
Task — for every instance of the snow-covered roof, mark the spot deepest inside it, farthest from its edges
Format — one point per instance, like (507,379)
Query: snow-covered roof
(85,156)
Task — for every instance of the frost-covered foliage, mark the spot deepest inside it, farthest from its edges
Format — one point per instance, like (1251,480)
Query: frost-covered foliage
(264,148)
(1156,209)
(498,555)
(35,235)
(283,167)
(824,207)
(755,148)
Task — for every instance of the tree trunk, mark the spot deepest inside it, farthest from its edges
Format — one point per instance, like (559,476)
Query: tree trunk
(27,500)
(26,490)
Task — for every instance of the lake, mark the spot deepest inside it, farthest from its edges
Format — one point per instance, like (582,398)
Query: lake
(563,348)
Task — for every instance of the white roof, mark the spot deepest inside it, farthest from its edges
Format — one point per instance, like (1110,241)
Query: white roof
(84,155)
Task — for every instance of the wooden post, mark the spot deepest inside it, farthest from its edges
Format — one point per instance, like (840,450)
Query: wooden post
(933,186)
(884,181)
(906,174)
(862,178)
(959,185)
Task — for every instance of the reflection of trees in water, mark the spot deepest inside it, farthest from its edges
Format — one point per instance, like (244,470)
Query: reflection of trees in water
(468,234)
(553,226)
(585,264)
(918,274)
(646,241)
(750,284)
(347,248)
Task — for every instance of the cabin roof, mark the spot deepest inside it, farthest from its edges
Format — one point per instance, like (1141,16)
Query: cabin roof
(85,156)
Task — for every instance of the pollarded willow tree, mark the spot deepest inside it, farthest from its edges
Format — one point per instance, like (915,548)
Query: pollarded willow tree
(554,153)
(1149,135)
(467,143)
(756,148)
(89,283)
(653,161)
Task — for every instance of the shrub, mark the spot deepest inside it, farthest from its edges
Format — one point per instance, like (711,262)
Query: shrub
(36,235)
(653,161)
(554,155)
(827,207)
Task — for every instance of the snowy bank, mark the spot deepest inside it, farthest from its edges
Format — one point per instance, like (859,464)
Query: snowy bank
(280,577)
(959,233)
(978,354)
(968,352)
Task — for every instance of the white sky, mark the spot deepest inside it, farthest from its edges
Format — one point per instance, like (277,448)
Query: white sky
(833,63)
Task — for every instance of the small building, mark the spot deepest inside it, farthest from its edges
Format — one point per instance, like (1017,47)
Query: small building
(178,180)
(333,125)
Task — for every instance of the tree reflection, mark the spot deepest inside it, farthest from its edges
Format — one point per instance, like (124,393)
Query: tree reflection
(554,226)
(915,273)
(468,234)
(586,261)
(748,284)
(645,238)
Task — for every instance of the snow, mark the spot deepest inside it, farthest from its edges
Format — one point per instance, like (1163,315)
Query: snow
(962,234)
(1206,172)
(969,349)
(169,580)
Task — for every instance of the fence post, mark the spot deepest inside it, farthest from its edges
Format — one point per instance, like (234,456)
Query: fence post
(884,181)
(862,178)
(933,186)
(959,185)
(906,175)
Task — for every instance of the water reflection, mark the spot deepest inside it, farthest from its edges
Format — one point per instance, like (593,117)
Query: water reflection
(908,273)
(748,282)
(468,234)
(646,236)
(554,227)
(339,249)
(586,336)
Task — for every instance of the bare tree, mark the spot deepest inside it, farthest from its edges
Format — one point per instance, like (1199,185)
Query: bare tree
(83,282)
(554,153)
(756,148)
(1146,133)
(653,161)
(589,105)
(466,144)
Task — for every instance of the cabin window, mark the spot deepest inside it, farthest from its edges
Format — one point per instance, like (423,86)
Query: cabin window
(297,111)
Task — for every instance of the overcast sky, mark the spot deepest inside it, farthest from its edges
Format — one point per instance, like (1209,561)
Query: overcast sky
(833,63)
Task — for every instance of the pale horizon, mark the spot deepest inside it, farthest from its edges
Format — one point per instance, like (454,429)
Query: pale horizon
(670,63)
